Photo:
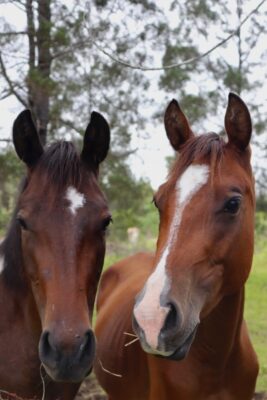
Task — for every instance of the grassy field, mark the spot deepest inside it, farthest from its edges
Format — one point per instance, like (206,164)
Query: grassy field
(256,310)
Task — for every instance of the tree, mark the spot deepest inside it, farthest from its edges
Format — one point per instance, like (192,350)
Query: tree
(236,66)
(233,67)
(64,76)
(244,73)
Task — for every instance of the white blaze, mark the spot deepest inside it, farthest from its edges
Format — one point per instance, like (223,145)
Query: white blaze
(149,313)
(76,199)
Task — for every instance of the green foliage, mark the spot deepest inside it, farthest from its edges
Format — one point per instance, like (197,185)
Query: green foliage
(11,170)
(128,198)
(175,79)
(202,9)
(60,36)
(194,107)
(235,79)
(101,3)
(35,78)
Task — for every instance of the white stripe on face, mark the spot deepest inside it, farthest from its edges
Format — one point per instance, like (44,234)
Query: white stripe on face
(76,199)
(149,313)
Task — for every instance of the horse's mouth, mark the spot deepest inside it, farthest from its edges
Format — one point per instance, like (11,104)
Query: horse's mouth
(183,350)
(70,375)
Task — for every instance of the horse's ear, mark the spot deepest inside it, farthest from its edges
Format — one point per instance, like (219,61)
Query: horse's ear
(96,140)
(177,127)
(26,139)
(237,121)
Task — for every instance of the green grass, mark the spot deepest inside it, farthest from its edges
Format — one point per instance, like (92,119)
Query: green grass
(256,310)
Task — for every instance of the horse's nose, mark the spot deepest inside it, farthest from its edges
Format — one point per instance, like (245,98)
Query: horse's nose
(70,359)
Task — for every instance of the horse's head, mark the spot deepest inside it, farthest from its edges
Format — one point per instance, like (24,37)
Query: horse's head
(63,215)
(205,244)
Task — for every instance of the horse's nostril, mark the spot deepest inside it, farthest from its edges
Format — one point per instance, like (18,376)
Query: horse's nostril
(67,355)
(172,319)
(47,349)
(59,352)
(88,343)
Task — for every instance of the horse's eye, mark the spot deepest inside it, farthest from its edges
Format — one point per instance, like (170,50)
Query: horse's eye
(22,222)
(106,222)
(232,205)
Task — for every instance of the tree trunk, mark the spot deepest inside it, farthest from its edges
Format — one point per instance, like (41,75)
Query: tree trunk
(39,81)
(44,67)
(31,40)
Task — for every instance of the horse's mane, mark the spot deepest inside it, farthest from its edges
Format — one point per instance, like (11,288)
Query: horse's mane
(60,164)
(198,148)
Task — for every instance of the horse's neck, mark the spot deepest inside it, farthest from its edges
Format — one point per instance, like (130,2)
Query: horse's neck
(219,333)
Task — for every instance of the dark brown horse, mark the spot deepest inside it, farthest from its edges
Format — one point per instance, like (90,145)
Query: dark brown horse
(187,299)
(50,262)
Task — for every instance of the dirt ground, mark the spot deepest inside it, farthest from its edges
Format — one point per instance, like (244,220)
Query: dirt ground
(90,390)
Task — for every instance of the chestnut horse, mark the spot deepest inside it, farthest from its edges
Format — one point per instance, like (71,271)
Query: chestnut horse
(50,264)
(187,299)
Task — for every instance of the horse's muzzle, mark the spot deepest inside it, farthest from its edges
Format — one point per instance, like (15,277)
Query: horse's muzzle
(67,362)
(181,352)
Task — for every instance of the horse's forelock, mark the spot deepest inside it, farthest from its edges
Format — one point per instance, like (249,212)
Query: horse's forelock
(61,165)
(204,147)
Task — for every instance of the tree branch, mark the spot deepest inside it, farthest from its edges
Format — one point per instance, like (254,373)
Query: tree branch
(10,83)
(69,124)
(186,62)
(31,40)
(6,140)
(19,4)
(80,44)
(4,34)
(3,96)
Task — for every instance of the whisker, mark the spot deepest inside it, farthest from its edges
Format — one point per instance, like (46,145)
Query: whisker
(107,371)
(130,334)
(131,342)
(43,381)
